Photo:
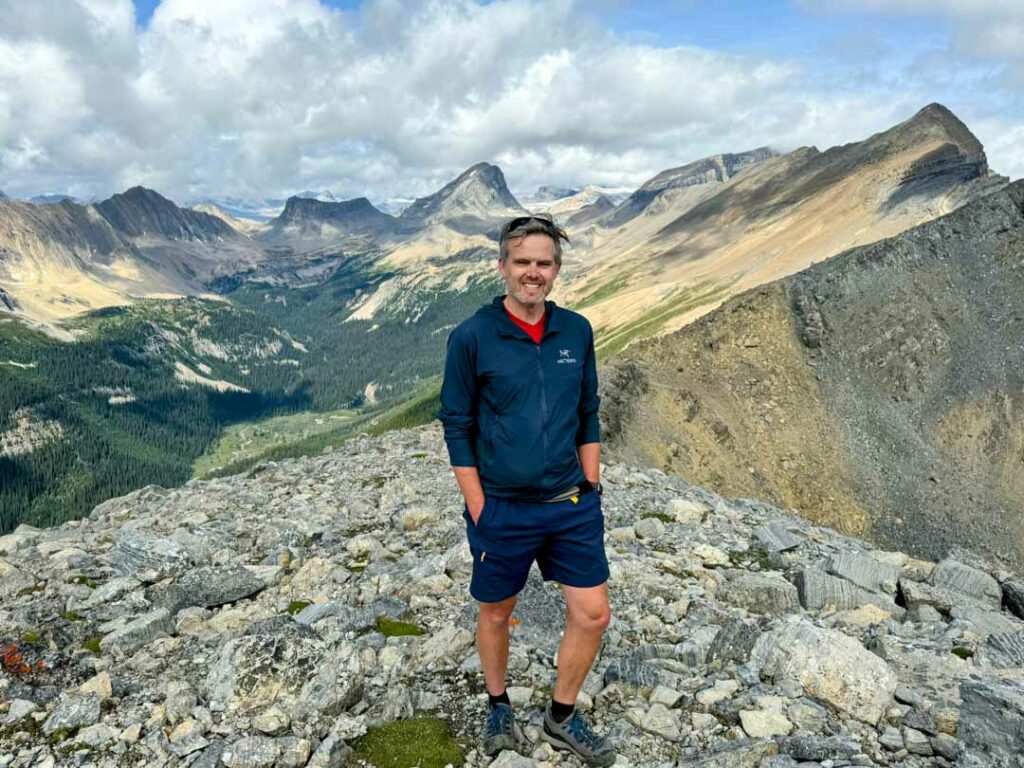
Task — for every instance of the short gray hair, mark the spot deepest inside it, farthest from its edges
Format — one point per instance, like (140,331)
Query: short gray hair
(536,224)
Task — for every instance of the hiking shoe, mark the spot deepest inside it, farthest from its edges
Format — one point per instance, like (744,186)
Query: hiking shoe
(502,731)
(574,734)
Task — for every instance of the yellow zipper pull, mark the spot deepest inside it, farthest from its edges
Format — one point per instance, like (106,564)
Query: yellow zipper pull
(574,499)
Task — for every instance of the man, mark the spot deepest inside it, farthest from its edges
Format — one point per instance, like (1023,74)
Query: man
(519,405)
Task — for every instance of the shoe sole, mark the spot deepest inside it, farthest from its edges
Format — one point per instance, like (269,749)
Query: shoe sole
(558,743)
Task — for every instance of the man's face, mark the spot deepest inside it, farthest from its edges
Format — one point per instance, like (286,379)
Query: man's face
(530,269)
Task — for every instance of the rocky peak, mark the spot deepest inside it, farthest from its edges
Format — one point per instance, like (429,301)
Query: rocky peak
(139,211)
(709,170)
(309,209)
(273,618)
(479,193)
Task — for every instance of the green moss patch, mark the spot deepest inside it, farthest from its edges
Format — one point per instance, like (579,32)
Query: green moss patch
(392,628)
(93,644)
(297,605)
(30,636)
(90,583)
(963,653)
(425,742)
(71,616)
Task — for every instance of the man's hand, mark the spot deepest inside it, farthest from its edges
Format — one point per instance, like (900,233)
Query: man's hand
(472,491)
(476,508)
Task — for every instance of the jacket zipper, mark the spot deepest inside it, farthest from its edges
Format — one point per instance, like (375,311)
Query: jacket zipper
(543,410)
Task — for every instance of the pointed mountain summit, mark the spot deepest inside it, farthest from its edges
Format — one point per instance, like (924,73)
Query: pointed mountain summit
(706,171)
(472,202)
(140,211)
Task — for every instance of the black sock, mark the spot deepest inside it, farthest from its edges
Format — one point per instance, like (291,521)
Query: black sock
(501,698)
(560,711)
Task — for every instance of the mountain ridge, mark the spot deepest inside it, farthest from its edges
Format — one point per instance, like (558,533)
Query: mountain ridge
(885,379)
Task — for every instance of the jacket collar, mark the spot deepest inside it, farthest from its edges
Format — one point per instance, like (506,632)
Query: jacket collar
(505,327)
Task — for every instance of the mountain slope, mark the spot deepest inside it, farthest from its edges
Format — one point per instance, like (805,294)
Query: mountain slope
(881,391)
(62,259)
(771,219)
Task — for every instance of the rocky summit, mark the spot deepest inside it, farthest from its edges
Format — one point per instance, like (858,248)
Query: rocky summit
(312,611)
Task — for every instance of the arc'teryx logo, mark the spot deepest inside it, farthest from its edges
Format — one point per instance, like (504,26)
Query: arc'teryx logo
(563,356)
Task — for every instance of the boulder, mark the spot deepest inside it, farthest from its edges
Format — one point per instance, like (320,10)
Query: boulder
(864,571)
(766,593)
(776,537)
(148,558)
(73,712)
(967,582)
(206,587)
(831,666)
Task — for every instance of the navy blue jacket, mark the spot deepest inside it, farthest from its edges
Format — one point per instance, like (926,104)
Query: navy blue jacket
(517,410)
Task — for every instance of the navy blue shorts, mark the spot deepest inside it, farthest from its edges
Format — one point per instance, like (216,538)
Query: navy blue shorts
(565,538)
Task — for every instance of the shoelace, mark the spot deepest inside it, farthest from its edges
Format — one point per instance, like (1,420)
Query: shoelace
(580,730)
(500,721)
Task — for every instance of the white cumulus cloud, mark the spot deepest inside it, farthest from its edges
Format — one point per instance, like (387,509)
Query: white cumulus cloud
(259,98)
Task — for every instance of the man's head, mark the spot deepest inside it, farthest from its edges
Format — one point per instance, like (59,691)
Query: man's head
(529,257)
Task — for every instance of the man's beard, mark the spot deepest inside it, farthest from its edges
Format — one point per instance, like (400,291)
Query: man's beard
(526,296)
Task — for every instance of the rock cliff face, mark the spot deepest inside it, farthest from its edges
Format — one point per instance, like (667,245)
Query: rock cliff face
(879,391)
(272,618)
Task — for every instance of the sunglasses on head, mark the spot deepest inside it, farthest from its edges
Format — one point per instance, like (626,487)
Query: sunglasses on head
(521,220)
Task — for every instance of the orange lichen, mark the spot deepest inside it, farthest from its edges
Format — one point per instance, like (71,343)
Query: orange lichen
(13,663)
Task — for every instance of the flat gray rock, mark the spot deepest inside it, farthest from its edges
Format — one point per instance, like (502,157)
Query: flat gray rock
(742,753)
(1003,650)
(73,712)
(992,717)
(971,583)
(764,593)
(864,571)
(776,537)
(733,642)
(818,589)
(148,558)
(206,587)
(140,631)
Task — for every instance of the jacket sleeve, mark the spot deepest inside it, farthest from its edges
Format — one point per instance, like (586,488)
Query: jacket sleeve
(459,393)
(590,424)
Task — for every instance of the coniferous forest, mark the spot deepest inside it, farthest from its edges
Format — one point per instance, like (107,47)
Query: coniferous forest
(84,421)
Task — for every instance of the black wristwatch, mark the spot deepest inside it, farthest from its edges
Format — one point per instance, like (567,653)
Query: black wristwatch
(598,487)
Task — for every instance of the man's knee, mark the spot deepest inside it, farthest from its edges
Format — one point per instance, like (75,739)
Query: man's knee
(593,617)
(497,615)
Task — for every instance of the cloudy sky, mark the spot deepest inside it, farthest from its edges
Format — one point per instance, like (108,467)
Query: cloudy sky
(391,98)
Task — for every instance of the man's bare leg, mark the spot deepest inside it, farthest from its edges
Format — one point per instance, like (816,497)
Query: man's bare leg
(587,615)
(492,642)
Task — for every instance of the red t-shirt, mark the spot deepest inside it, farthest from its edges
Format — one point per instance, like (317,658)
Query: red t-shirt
(534,330)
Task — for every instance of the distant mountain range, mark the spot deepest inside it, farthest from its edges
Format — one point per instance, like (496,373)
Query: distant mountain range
(368,296)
